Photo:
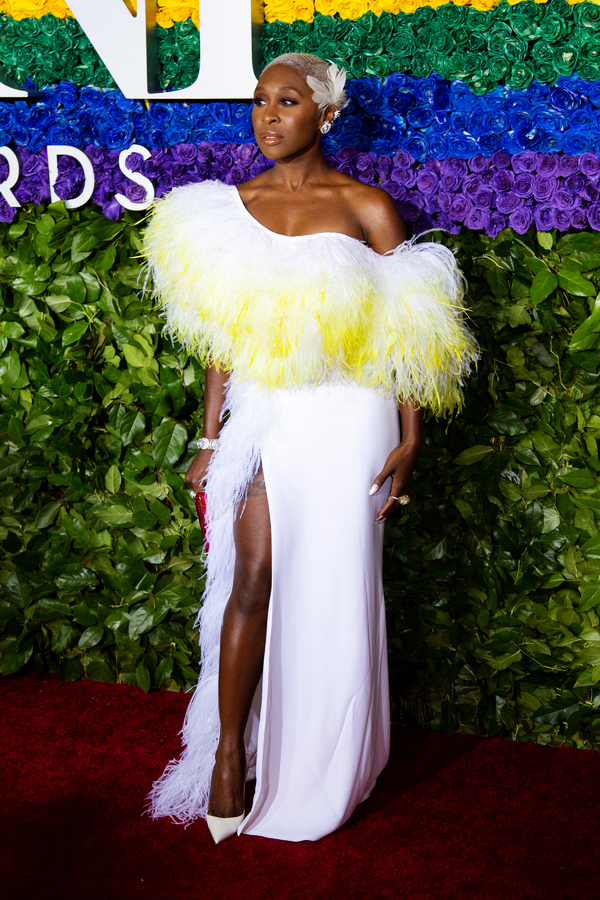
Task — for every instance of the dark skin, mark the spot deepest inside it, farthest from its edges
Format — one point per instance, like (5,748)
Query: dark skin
(299,195)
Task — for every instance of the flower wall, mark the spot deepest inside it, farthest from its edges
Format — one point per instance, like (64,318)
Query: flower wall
(482,119)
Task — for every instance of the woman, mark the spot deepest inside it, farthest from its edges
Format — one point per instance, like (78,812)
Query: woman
(313,332)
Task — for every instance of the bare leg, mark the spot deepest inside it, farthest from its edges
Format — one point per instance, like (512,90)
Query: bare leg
(242,647)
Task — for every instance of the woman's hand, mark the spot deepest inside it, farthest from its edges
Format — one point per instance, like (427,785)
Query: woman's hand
(401,462)
(399,467)
(196,474)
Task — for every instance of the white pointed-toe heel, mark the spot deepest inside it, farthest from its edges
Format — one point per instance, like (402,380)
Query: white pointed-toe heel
(223,828)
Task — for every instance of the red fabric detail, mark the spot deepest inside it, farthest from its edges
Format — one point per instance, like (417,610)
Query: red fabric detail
(200,501)
(463,818)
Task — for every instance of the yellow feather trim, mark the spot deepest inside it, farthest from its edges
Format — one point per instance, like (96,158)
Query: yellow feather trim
(286,311)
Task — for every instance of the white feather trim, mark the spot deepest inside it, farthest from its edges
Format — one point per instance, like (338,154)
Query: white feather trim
(331,92)
(282,311)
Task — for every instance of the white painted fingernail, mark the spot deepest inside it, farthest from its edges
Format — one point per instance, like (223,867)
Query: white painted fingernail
(374,489)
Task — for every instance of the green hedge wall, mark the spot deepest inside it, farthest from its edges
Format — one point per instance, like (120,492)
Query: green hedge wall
(492,573)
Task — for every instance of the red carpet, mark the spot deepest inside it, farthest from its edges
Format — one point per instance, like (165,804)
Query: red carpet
(450,818)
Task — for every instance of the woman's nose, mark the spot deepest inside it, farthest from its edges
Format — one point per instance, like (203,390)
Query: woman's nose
(270,114)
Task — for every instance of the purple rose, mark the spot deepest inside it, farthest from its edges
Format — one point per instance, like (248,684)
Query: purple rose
(395,190)
(184,153)
(544,217)
(31,164)
(524,162)
(564,199)
(411,208)
(478,163)
(496,224)
(135,192)
(384,167)
(477,219)
(407,177)
(7,213)
(567,165)
(460,208)
(591,192)
(562,218)
(450,182)
(594,216)
(427,182)
(452,166)
(589,164)
(543,187)
(523,184)
(471,185)
(483,198)
(501,160)
(547,164)
(402,160)
(503,180)
(235,175)
(34,189)
(113,210)
(508,202)
(575,183)
(445,201)
(579,219)
(521,219)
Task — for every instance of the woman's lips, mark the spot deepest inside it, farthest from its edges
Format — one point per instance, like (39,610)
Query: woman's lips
(270,137)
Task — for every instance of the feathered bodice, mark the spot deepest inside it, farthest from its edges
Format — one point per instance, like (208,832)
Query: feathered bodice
(284,311)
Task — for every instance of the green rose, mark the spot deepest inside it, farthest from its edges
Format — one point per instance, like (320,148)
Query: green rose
(462,36)
(472,63)
(424,15)
(498,67)
(564,59)
(422,66)
(497,38)
(63,41)
(184,29)
(451,16)
(377,64)
(443,42)
(587,14)
(520,76)
(403,43)
(542,52)
(544,72)
(515,49)
(478,43)
(386,28)
(524,26)
(591,49)
(323,25)
(553,27)
(482,84)
(478,20)
(29,28)
(589,71)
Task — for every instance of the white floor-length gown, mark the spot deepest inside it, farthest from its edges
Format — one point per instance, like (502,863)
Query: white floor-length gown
(321,336)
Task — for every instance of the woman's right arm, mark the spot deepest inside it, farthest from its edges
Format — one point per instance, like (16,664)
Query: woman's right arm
(214,395)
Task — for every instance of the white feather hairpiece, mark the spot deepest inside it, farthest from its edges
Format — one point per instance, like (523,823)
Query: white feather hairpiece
(330,92)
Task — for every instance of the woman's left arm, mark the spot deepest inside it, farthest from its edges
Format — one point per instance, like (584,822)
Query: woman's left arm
(401,462)
(385,230)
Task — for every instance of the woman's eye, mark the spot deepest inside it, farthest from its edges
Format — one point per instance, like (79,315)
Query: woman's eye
(258,101)
(288,101)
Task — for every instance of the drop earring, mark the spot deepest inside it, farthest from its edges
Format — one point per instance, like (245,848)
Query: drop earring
(325,127)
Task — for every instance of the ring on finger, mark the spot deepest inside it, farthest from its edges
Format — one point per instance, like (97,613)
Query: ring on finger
(403,499)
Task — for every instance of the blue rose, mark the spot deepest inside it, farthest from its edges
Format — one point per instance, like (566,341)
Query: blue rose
(416,145)
(476,122)
(462,145)
(364,90)
(419,116)
(577,142)
(497,120)
(564,99)
(462,98)
(440,97)
(489,142)
(438,146)
(220,112)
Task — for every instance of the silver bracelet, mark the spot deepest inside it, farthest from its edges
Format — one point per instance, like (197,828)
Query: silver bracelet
(207,443)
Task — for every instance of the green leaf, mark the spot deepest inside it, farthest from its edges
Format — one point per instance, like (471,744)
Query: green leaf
(91,636)
(143,677)
(473,455)
(544,239)
(46,515)
(99,670)
(115,515)
(112,479)
(542,286)
(559,710)
(582,479)
(170,440)
(576,284)
(74,332)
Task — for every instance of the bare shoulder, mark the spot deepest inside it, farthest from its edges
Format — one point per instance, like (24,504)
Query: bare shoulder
(377,214)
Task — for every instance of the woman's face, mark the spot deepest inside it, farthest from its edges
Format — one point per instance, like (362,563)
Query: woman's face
(285,117)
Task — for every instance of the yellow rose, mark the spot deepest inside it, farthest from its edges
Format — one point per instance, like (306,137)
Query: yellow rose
(379,6)
(279,10)
(304,10)
(326,7)
(58,8)
(164,18)
(352,9)
(410,6)
(26,9)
